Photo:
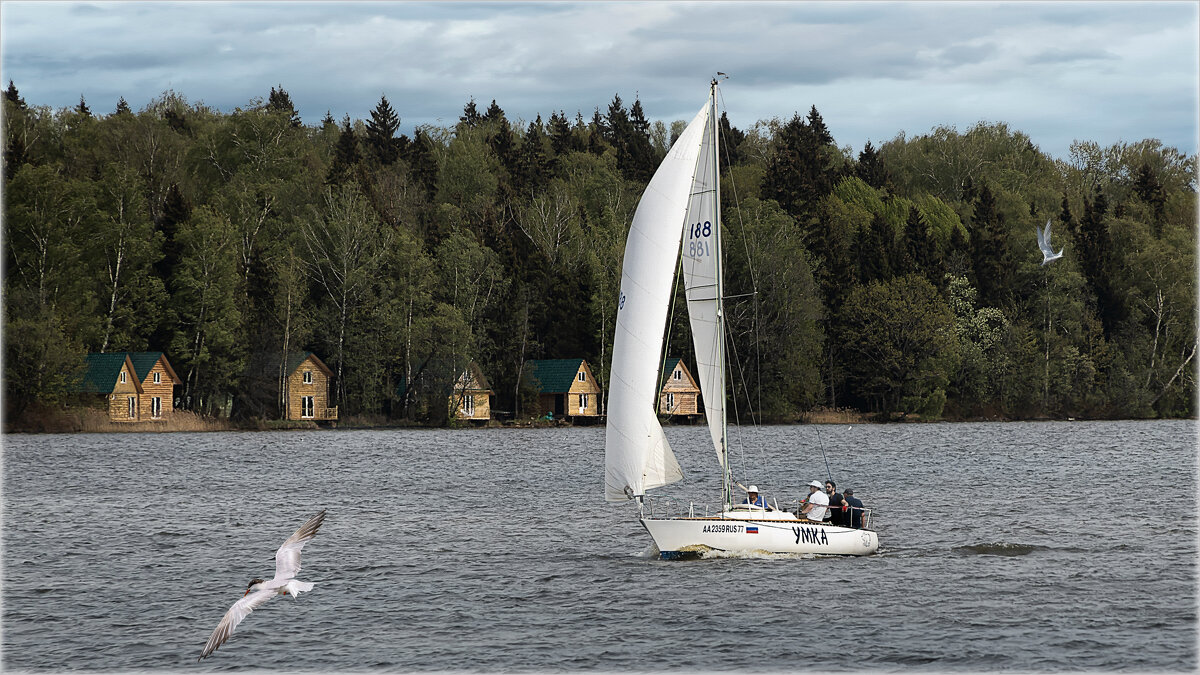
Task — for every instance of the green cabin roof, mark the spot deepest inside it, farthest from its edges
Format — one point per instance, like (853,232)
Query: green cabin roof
(143,362)
(296,358)
(102,371)
(555,376)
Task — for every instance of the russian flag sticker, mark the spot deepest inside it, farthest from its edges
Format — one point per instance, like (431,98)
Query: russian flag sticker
(751,529)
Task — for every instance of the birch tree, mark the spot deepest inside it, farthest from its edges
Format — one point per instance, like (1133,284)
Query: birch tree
(345,246)
(204,297)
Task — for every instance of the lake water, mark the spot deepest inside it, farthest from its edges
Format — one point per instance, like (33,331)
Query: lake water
(1057,546)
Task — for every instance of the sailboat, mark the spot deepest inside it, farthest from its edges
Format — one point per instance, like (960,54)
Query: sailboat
(678,216)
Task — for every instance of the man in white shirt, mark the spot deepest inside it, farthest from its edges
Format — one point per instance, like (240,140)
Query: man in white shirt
(818,502)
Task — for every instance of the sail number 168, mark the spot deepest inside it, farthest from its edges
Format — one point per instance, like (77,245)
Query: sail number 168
(698,231)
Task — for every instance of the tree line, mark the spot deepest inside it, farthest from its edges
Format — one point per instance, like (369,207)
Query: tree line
(903,278)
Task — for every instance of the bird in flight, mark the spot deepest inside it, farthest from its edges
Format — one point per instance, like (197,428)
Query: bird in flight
(1043,237)
(287,564)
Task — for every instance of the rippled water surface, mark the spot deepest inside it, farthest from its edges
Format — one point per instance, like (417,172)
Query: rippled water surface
(1019,547)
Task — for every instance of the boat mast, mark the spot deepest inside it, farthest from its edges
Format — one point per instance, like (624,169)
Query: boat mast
(714,122)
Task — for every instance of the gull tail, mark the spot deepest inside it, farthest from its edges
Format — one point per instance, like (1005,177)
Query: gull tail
(296,587)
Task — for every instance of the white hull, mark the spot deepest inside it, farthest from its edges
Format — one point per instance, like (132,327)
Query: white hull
(776,532)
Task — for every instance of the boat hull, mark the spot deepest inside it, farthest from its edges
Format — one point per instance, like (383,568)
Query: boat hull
(686,537)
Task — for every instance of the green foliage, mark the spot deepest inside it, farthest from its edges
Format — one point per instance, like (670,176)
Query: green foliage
(778,331)
(42,363)
(902,343)
(906,278)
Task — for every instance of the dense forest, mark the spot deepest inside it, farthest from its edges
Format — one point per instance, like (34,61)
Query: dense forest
(904,278)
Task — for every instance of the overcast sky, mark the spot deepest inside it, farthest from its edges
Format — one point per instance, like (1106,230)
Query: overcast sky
(1102,71)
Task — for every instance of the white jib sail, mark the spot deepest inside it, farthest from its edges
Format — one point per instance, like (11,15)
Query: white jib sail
(637,456)
(702,281)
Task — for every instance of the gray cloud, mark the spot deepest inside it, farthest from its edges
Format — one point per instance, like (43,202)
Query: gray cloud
(872,69)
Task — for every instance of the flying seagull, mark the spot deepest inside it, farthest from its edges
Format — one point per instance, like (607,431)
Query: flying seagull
(1048,253)
(287,564)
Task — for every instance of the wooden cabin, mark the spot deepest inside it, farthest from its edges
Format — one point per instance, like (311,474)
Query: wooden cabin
(306,389)
(158,379)
(471,397)
(566,387)
(680,394)
(112,376)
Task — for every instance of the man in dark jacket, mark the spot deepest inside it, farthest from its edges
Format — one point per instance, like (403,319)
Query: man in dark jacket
(837,507)
(856,509)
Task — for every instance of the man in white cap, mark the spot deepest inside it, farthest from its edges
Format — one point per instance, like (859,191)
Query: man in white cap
(753,498)
(818,502)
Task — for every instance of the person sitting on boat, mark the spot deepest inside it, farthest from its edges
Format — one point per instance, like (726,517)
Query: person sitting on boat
(818,502)
(755,499)
(837,505)
(856,508)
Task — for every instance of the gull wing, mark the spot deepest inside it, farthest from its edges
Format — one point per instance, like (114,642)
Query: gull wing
(1043,238)
(240,610)
(287,558)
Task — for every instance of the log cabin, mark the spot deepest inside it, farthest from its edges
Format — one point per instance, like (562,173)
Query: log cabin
(112,376)
(158,379)
(680,393)
(306,389)
(471,397)
(566,387)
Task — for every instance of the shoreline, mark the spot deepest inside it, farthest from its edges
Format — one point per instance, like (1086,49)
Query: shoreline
(87,421)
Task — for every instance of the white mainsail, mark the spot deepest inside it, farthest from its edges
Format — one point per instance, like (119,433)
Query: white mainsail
(637,456)
(702,281)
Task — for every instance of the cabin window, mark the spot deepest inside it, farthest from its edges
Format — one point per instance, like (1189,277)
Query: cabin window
(581,376)
(306,406)
(308,377)
(678,374)
(583,400)
(158,378)
(122,377)
(132,406)
(156,405)
(469,404)
(670,401)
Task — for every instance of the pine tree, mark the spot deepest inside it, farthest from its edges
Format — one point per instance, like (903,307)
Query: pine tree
(83,108)
(616,121)
(989,253)
(381,131)
(328,121)
(816,125)
(1148,188)
(562,140)
(639,162)
(493,113)
(12,95)
(533,168)
(876,251)
(280,102)
(345,155)
(470,116)
(503,142)
(176,209)
(1065,217)
(422,165)
(731,142)
(597,131)
(1096,260)
(870,168)
(122,107)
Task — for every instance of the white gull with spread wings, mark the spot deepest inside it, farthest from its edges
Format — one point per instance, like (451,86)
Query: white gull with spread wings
(287,564)
(1043,237)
